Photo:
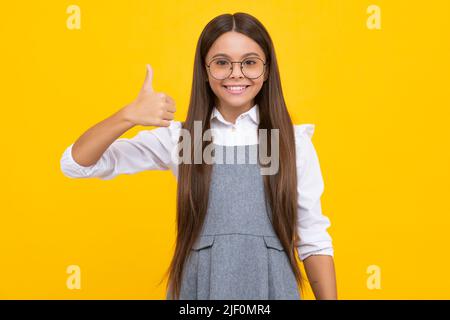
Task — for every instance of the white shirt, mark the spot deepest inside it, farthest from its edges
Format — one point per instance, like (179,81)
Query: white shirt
(151,150)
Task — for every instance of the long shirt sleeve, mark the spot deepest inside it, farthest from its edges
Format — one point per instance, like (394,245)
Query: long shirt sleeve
(312,223)
(147,150)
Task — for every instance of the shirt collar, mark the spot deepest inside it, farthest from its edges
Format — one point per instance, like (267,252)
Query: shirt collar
(253,113)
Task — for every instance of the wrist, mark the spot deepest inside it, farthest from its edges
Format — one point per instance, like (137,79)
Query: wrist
(123,116)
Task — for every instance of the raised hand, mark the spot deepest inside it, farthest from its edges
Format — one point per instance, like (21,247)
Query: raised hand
(150,108)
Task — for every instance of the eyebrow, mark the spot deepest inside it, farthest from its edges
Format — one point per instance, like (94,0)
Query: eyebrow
(245,55)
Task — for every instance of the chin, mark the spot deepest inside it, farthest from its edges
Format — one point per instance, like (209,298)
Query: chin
(237,103)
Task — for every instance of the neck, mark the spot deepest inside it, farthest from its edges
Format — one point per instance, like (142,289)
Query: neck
(232,113)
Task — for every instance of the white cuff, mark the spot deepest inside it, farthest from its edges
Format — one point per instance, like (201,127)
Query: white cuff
(70,167)
(324,248)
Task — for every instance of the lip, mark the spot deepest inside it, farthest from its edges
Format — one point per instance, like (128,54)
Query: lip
(236,92)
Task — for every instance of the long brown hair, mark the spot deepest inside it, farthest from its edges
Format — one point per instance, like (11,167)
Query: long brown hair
(193,179)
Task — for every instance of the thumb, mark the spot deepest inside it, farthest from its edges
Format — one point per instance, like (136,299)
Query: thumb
(148,82)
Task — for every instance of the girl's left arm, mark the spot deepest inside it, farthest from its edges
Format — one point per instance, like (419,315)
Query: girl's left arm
(315,247)
(321,276)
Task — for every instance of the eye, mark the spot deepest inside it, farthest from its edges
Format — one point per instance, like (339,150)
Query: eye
(221,62)
(250,62)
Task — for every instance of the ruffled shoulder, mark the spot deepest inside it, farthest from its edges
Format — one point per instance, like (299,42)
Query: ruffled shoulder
(168,135)
(175,131)
(305,130)
(303,143)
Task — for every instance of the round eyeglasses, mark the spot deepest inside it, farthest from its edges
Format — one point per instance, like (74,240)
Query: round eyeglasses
(221,68)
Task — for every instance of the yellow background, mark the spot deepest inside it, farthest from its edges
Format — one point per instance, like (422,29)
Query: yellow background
(379,100)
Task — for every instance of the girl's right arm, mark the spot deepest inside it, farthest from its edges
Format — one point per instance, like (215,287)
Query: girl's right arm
(99,152)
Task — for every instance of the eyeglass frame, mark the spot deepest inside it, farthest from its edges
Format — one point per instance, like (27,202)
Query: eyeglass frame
(231,68)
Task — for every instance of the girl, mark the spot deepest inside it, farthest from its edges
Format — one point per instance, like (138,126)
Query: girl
(238,231)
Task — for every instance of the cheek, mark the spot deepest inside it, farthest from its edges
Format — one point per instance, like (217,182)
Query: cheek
(212,82)
(216,86)
(256,87)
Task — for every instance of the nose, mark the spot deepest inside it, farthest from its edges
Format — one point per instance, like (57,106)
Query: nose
(234,73)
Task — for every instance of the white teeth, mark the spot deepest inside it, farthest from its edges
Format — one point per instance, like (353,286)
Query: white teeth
(236,88)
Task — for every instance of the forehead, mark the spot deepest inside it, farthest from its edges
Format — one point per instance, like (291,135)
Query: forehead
(234,45)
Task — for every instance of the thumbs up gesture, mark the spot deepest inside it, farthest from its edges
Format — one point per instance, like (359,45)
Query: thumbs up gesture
(150,108)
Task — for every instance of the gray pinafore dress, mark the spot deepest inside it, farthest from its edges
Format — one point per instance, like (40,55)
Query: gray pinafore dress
(237,255)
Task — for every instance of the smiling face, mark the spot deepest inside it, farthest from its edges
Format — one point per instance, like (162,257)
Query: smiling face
(235,46)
